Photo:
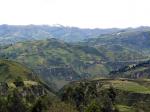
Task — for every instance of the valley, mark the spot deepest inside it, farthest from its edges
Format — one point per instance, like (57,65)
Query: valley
(68,69)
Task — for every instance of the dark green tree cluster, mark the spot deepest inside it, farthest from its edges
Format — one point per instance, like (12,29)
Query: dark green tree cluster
(86,98)
(14,102)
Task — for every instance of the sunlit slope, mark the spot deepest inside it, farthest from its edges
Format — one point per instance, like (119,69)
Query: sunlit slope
(10,70)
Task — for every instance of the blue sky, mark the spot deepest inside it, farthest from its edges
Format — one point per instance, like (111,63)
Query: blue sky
(80,13)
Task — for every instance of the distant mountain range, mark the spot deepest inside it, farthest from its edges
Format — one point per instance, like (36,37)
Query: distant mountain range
(13,33)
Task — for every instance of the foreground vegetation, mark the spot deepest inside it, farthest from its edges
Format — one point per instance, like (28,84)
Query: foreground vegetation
(108,95)
(22,91)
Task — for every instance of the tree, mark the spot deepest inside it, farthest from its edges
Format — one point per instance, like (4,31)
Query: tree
(93,107)
(112,94)
(42,104)
(3,104)
(19,82)
(16,103)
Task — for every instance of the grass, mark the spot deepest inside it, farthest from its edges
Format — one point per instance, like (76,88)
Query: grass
(26,83)
(10,70)
(97,69)
(29,83)
(131,86)
(124,108)
(126,85)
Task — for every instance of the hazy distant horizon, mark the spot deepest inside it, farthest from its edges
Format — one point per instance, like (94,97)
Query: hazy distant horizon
(77,13)
(60,25)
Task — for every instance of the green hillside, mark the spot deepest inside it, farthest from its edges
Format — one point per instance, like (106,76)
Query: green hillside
(126,47)
(17,82)
(137,40)
(56,60)
(140,70)
(60,62)
(108,95)
(10,70)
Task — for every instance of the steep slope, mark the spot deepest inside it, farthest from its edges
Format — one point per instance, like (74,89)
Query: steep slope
(10,70)
(14,75)
(141,70)
(17,82)
(23,91)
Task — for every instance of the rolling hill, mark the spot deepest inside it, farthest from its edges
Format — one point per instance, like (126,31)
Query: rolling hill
(34,60)
(138,40)
(55,60)
(135,71)
(60,62)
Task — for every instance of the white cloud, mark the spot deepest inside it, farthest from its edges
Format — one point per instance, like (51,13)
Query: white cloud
(81,13)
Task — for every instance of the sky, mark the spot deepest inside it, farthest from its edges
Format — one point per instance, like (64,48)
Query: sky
(78,13)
